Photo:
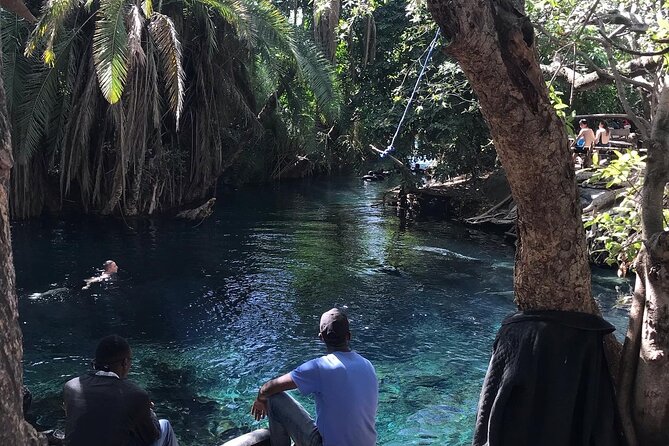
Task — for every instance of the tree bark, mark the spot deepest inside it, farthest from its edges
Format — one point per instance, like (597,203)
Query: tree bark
(644,382)
(494,43)
(20,9)
(650,390)
(13,429)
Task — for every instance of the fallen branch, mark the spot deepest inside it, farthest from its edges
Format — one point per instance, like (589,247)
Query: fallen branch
(200,212)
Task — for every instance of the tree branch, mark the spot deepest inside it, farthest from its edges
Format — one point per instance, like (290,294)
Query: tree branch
(625,49)
(579,81)
(19,8)
(642,124)
(607,75)
(590,80)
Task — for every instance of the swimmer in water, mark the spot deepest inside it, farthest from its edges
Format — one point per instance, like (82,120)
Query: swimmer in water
(108,270)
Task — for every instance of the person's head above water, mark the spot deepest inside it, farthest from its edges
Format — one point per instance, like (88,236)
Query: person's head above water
(113,354)
(110,267)
(334,330)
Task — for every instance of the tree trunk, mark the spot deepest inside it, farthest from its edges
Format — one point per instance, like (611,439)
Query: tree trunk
(13,429)
(494,43)
(644,378)
(650,388)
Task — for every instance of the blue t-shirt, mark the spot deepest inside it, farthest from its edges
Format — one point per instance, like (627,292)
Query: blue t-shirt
(346,391)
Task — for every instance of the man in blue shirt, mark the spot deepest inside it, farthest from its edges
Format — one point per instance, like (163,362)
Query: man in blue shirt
(344,386)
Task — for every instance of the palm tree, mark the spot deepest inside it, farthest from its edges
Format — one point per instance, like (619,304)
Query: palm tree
(136,107)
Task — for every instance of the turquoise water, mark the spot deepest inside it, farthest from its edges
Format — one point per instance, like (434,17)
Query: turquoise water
(213,309)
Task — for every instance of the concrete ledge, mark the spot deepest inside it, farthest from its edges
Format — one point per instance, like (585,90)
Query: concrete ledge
(258,437)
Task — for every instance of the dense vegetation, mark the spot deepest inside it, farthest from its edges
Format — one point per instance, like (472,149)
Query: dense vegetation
(135,107)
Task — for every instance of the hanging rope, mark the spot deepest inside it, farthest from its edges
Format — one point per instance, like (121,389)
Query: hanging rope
(423,65)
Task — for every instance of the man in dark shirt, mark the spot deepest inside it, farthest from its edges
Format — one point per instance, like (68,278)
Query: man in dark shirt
(103,408)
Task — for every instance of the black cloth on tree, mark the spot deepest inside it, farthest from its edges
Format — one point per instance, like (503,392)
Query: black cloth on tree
(548,384)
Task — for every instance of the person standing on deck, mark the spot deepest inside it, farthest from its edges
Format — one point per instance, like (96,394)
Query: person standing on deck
(344,386)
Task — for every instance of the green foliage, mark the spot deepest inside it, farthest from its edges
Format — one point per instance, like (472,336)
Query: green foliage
(561,108)
(443,124)
(614,235)
(110,49)
(317,73)
(576,35)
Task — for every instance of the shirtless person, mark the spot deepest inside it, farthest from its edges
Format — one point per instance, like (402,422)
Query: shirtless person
(584,140)
(603,135)
(108,270)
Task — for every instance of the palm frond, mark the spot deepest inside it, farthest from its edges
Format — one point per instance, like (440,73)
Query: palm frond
(110,49)
(275,32)
(147,8)
(319,75)
(272,28)
(202,14)
(74,49)
(164,35)
(235,13)
(136,25)
(54,13)
(15,67)
(41,98)
(264,79)
(41,101)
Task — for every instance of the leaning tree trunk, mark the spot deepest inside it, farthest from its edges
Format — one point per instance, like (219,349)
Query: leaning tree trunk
(494,43)
(13,429)
(644,382)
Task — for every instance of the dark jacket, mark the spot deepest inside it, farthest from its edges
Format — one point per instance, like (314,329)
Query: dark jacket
(108,411)
(548,384)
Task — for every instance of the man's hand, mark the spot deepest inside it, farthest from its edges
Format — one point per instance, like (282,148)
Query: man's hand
(271,387)
(259,408)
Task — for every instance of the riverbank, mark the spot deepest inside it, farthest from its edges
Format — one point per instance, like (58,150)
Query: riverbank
(486,203)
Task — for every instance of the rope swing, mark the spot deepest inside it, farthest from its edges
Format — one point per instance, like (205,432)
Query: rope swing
(423,64)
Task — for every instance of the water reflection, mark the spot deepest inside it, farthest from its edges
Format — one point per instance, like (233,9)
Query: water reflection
(214,310)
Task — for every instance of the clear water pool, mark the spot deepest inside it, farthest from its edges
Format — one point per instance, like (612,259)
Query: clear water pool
(213,309)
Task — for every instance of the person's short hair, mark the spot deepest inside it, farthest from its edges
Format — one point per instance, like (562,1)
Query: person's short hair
(110,350)
(583,121)
(334,327)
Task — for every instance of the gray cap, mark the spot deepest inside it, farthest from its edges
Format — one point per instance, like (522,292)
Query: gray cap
(334,326)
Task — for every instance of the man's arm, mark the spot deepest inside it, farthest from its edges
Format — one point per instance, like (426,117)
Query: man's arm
(580,134)
(271,387)
(147,428)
